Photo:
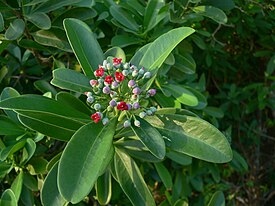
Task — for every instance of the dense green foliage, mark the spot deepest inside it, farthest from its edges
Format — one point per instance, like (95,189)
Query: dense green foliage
(212,61)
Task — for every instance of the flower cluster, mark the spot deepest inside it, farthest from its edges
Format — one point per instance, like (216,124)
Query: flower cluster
(116,88)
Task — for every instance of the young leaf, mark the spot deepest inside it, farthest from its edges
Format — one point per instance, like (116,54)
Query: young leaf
(89,148)
(9,150)
(50,194)
(151,138)
(39,19)
(84,45)
(131,180)
(212,12)
(28,151)
(193,136)
(71,80)
(8,198)
(15,29)
(17,184)
(217,199)
(104,188)
(159,50)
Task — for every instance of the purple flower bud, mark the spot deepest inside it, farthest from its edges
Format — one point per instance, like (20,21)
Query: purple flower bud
(136,91)
(114,85)
(147,75)
(137,123)
(97,106)
(106,90)
(113,103)
(93,82)
(152,92)
(136,105)
(127,123)
(105,120)
(131,83)
(129,106)
(142,114)
(90,99)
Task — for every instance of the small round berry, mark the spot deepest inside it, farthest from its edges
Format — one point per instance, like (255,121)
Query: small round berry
(126,66)
(135,73)
(142,114)
(137,123)
(90,99)
(152,92)
(141,71)
(147,75)
(113,94)
(149,112)
(108,66)
(113,103)
(131,83)
(125,72)
(134,97)
(97,106)
(105,120)
(89,94)
(153,109)
(127,123)
(114,85)
(136,91)
(136,105)
(106,90)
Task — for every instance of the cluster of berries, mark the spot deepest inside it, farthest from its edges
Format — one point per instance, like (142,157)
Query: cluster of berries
(117,88)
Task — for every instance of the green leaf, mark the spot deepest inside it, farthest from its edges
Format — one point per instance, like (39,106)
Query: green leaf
(52,5)
(224,5)
(71,80)
(5,168)
(214,112)
(39,19)
(131,180)
(183,95)
(175,111)
(115,52)
(211,12)
(91,143)
(164,175)
(37,165)
(217,199)
(30,182)
(151,138)
(53,38)
(125,40)
(30,44)
(8,198)
(151,15)
(202,102)
(193,136)
(159,50)
(44,86)
(185,63)
(179,158)
(6,152)
(8,127)
(84,45)
(139,54)
(26,196)
(124,18)
(28,151)
(50,194)
(17,184)
(2,24)
(104,188)
(15,29)
(72,101)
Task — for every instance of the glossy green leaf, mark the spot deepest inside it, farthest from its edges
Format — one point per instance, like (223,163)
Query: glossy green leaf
(53,38)
(164,175)
(8,127)
(26,196)
(28,151)
(193,136)
(52,162)
(131,181)
(151,15)
(214,112)
(30,182)
(2,24)
(15,30)
(84,45)
(30,44)
(217,199)
(159,50)
(44,86)
(139,54)
(71,80)
(6,152)
(175,111)
(202,102)
(39,19)
(115,52)
(198,41)
(17,184)
(5,168)
(50,194)
(124,18)
(8,198)
(92,144)
(125,40)
(37,165)
(52,5)
(151,138)
(183,95)
(179,158)
(212,12)
(104,188)
(185,63)
(72,101)
(165,101)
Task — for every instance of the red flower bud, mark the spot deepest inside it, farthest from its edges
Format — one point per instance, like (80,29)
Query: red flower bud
(99,72)
(117,61)
(119,76)
(122,106)
(96,117)
(109,79)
